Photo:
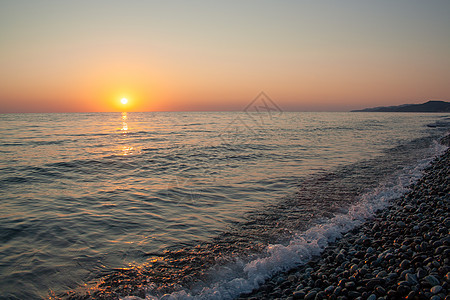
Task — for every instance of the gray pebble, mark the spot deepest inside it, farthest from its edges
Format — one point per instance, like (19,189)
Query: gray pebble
(299,294)
(372,297)
(337,290)
(330,289)
(436,289)
(405,264)
(380,291)
(353,294)
(311,295)
(432,280)
(421,273)
(401,224)
(411,278)
(320,295)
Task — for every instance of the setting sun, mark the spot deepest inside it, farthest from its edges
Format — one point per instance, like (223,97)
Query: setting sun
(124,100)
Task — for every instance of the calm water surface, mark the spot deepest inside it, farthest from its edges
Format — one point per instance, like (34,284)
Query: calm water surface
(83,194)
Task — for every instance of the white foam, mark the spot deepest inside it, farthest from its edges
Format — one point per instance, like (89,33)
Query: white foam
(232,280)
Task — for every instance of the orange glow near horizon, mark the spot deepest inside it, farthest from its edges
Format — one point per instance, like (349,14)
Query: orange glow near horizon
(307,56)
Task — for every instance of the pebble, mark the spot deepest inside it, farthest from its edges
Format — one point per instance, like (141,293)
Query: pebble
(436,289)
(421,273)
(411,278)
(349,285)
(405,264)
(380,291)
(372,297)
(299,294)
(432,280)
(311,295)
(401,224)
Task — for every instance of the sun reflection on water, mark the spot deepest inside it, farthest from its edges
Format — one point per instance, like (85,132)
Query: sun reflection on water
(125,149)
(124,128)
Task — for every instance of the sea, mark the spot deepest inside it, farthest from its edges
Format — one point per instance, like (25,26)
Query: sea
(193,205)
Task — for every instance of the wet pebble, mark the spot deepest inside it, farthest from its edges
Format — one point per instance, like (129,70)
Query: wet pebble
(436,289)
(432,280)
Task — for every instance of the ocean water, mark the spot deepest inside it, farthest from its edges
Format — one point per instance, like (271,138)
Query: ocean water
(202,204)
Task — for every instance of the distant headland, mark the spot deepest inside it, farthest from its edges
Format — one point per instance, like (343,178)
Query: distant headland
(430,106)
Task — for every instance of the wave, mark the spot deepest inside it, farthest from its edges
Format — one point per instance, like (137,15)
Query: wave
(243,275)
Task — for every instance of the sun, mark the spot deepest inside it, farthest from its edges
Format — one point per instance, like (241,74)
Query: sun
(124,101)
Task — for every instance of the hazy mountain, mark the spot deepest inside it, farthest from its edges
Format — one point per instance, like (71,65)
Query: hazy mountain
(430,106)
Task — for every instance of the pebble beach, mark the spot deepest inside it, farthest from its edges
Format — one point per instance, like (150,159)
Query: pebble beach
(402,253)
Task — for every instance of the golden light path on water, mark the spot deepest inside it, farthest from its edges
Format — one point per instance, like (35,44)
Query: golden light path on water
(126,149)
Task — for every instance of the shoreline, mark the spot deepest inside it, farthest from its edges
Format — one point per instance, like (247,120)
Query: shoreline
(403,252)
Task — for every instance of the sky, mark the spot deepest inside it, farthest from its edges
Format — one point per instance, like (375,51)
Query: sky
(84,56)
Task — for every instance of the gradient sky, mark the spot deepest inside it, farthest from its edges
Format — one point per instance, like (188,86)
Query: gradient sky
(82,56)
